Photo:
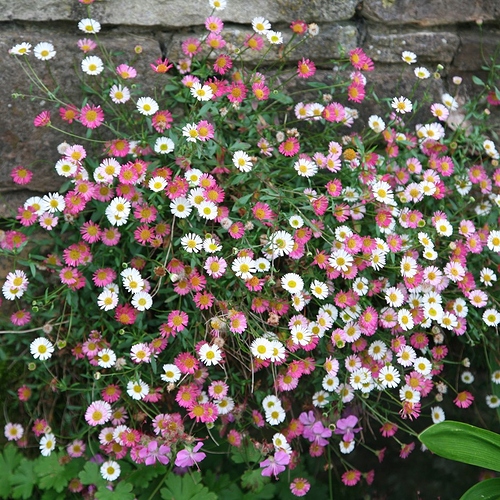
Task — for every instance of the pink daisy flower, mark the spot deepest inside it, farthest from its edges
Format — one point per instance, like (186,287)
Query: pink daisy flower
(214,24)
(351,477)
(306,68)
(300,486)
(86,45)
(162,120)
(91,116)
(21,175)
(289,147)
(111,393)
(126,71)
(177,320)
(69,113)
(223,64)
(111,236)
(42,120)
(215,41)
(191,47)
(20,318)
(91,232)
(98,413)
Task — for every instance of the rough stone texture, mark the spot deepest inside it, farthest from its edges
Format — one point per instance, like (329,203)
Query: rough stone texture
(176,13)
(384,28)
(430,12)
(476,48)
(36,148)
(330,43)
(430,46)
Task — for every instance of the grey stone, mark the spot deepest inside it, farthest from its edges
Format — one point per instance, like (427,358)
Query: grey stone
(430,12)
(331,42)
(176,13)
(36,148)
(429,46)
(476,49)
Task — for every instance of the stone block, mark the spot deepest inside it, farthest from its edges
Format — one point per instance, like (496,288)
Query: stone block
(36,148)
(386,46)
(176,13)
(430,12)
(328,44)
(476,48)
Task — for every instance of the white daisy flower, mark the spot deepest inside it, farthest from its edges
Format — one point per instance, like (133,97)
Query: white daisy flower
(44,51)
(210,354)
(437,414)
(192,243)
(147,106)
(242,161)
(142,301)
(47,444)
(157,184)
(164,145)
(180,207)
(106,358)
(137,389)
(89,26)
(92,65)
(42,348)
(389,377)
(292,283)
(110,470)
(170,373)
(201,92)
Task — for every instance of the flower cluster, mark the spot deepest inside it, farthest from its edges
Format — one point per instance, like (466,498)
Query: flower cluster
(217,266)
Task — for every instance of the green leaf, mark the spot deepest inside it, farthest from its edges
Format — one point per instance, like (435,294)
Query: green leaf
(51,473)
(143,476)
(91,475)
(9,460)
(186,487)
(236,146)
(254,480)
(122,491)
(247,454)
(24,480)
(485,490)
(463,443)
(477,80)
(281,97)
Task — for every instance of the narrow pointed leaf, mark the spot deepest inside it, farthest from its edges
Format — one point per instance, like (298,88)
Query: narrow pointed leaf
(463,443)
(485,490)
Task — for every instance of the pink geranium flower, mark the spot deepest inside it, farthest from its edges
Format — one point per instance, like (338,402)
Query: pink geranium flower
(275,464)
(190,456)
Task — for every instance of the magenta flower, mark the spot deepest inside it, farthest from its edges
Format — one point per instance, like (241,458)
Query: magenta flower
(347,427)
(189,457)
(274,465)
(153,453)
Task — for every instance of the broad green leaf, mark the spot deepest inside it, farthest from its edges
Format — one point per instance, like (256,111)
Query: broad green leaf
(254,480)
(187,487)
(24,480)
(9,460)
(281,97)
(477,80)
(122,491)
(463,443)
(51,473)
(485,490)
(91,475)
(246,454)
(142,477)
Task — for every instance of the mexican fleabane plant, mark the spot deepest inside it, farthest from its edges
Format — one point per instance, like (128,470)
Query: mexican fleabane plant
(238,267)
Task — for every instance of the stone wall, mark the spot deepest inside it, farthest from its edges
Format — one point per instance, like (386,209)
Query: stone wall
(454,33)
